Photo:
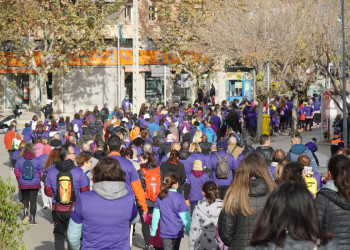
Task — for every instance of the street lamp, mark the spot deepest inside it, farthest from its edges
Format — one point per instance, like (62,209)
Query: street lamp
(345,120)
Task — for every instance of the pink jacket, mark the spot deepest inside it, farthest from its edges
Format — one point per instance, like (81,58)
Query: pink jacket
(39,149)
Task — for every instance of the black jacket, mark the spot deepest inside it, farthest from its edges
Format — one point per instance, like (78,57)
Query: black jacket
(236,230)
(266,152)
(179,170)
(164,149)
(334,215)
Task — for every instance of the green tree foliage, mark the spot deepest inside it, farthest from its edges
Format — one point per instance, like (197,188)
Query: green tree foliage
(11,227)
(58,29)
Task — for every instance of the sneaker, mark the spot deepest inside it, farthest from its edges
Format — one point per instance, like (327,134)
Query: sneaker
(32,222)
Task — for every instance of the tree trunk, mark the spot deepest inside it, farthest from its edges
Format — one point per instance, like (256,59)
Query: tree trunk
(295,114)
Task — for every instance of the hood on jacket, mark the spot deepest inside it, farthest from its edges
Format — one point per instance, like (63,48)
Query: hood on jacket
(197,173)
(335,197)
(28,155)
(173,167)
(110,190)
(183,155)
(298,149)
(209,212)
(258,187)
(65,166)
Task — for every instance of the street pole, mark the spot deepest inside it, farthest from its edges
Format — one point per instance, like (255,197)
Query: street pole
(164,85)
(268,88)
(119,80)
(135,55)
(345,120)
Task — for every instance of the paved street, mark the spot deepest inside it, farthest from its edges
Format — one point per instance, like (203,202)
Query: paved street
(40,237)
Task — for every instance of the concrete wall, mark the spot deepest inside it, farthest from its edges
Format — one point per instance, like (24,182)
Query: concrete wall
(220,87)
(84,88)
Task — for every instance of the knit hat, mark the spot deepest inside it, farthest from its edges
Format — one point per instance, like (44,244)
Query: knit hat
(197,165)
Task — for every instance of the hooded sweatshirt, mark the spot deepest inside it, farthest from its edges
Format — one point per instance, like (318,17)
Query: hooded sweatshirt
(37,167)
(300,149)
(194,183)
(79,182)
(105,223)
(203,226)
(39,149)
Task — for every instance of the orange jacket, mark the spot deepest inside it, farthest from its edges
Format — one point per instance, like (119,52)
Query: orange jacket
(9,136)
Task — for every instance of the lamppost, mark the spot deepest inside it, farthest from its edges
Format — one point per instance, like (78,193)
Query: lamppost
(345,120)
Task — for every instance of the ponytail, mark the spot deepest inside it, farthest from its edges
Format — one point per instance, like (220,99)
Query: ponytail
(210,190)
(339,167)
(168,182)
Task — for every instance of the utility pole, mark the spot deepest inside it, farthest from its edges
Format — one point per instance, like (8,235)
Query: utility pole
(135,56)
(345,120)
(268,87)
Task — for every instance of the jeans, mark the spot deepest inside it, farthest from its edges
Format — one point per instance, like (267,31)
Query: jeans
(61,221)
(171,244)
(10,158)
(144,227)
(222,191)
(30,195)
(193,205)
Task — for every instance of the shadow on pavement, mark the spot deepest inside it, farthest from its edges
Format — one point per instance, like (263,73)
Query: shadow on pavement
(45,245)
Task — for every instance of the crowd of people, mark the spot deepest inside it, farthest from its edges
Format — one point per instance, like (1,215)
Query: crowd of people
(178,170)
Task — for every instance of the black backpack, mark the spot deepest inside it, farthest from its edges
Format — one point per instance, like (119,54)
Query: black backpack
(222,168)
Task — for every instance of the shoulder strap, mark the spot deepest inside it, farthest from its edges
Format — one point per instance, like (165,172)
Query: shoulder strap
(233,149)
(226,156)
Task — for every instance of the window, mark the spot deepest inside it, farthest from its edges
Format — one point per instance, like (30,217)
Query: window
(128,12)
(152,13)
(236,88)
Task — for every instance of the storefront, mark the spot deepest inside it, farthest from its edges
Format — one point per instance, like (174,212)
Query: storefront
(239,85)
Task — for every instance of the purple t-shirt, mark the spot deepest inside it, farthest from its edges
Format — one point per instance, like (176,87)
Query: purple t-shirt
(131,174)
(79,180)
(196,186)
(171,225)
(212,164)
(105,222)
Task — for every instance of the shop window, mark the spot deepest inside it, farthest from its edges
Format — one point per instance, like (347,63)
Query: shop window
(236,88)
(16,90)
(154,89)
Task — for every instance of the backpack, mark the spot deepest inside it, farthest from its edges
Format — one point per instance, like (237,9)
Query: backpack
(96,113)
(15,142)
(222,168)
(65,194)
(103,112)
(152,181)
(311,183)
(28,170)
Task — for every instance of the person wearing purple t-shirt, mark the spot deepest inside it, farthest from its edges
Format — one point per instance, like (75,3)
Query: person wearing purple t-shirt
(171,211)
(101,217)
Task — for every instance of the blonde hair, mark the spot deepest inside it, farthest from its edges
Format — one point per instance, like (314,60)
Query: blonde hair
(237,197)
(175,146)
(197,137)
(195,148)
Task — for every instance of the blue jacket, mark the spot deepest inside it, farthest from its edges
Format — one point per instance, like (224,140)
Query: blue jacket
(196,179)
(153,127)
(252,119)
(308,111)
(300,149)
(311,146)
(317,105)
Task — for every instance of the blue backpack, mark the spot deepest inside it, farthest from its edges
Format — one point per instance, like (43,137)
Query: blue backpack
(28,170)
